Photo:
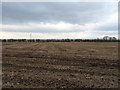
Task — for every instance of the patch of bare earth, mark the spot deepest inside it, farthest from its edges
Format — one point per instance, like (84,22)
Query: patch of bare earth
(60,65)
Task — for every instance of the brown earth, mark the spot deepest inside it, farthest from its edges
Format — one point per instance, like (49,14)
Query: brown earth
(60,64)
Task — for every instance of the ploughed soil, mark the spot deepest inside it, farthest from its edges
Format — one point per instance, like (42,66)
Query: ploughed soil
(60,64)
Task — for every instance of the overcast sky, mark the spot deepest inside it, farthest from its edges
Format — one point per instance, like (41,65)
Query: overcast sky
(59,20)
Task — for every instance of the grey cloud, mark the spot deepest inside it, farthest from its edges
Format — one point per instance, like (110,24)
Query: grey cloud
(71,12)
(81,12)
(108,28)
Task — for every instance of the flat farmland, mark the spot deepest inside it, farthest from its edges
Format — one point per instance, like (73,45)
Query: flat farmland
(60,64)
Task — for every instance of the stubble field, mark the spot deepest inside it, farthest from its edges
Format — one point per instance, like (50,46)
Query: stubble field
(60,64)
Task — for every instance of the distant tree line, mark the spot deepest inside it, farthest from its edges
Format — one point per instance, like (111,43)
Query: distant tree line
(109,38)
(60,40)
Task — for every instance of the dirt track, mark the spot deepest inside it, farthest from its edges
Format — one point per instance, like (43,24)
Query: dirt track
(60,65)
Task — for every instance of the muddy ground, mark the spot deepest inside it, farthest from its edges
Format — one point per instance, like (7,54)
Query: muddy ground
(60,64)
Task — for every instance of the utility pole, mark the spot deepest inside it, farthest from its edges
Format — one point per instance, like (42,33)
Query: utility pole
(30,36)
